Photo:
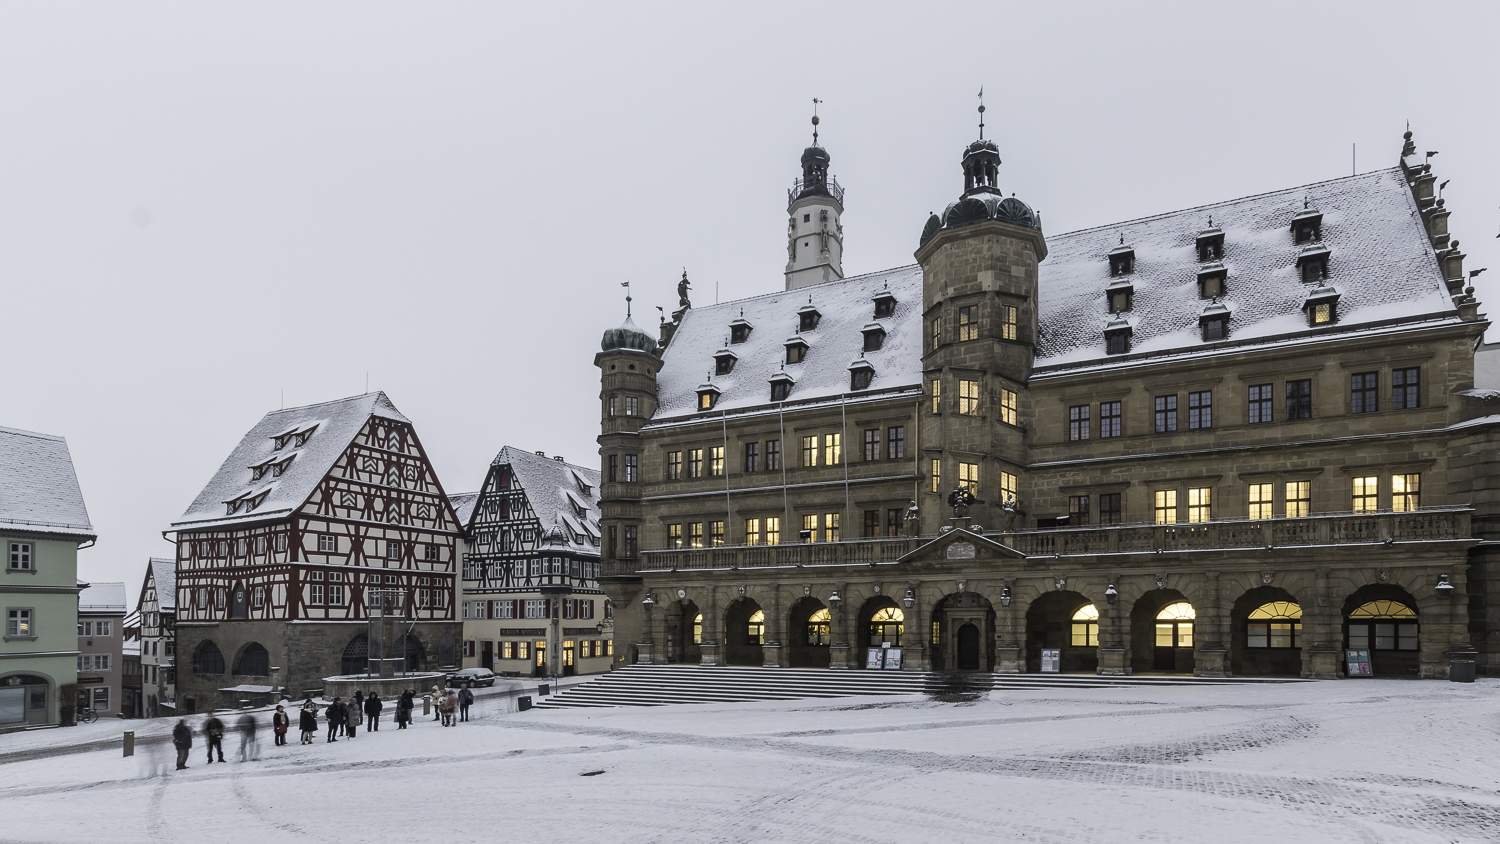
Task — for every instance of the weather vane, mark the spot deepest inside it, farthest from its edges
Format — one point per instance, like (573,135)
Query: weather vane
(626,285)
(815,120)
(981,112)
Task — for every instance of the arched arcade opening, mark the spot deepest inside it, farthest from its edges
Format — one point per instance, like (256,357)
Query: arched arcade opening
(1067,622)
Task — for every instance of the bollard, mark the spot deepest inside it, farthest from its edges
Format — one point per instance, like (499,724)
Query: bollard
(130,742)
(426,704)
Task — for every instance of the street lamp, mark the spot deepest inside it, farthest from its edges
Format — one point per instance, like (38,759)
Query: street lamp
(911,598)
(834,600)
(648,603)
(1443,588)
(1005,596)
(1110,594)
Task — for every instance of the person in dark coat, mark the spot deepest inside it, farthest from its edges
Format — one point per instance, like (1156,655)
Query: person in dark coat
(213,728)
(373,705)
(249,744)
(403,709)
(465,700)
(280,723)
(309,721)
(335,715)
(182,739)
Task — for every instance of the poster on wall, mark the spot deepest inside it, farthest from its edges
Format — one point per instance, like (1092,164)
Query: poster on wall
(893,659)
(875,658)
(1051,661)
(1359,663)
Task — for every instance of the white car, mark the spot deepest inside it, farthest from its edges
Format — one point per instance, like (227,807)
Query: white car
(475,677)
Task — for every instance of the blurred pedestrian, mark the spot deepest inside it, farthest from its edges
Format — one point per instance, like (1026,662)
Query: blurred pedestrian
(373,705)
(356,712)
(447,707)
(437,699)
(465,700)
(213,728)
(404,706)
(308,721)
(182,739)
(249,744)
(334,714)
(280,723)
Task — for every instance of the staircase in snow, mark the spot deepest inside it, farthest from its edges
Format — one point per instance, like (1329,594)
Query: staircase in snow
(659,685)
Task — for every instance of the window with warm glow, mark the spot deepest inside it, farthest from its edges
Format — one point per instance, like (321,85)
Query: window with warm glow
(1298,499)
(1260,501)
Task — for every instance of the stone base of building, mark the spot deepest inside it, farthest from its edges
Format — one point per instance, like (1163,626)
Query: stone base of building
(1211,663)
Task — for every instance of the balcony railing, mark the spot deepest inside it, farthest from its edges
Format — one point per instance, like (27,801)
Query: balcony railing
(830,186)
(1428,525)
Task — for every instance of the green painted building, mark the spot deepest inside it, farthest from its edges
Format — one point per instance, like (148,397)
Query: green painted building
(43,524)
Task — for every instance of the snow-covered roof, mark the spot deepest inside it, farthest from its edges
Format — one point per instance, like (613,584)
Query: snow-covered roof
(102,598)
(38,487)
(845,309)
(463,506)
(1381,262)
(164,572)
(334,425)
(552,488)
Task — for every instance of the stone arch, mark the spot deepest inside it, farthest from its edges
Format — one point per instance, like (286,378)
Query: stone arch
(1145,655)
(684,632)
(1277,655)
(891,626)
(356,656)
(1394,642)
(957,618)
(208,660)
(253,660)
(744,632)
(806,648)
(1049,626)
(26,697)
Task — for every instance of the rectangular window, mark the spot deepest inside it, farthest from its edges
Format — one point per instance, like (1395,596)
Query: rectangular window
(810,451)
(773,455)
(258,597)
(1008,404)
(1406,492)
(968,477)
(1078,510)
(1009,322)
(1078,422)
(752,457)
(1299,399)
(336,594)
(1363,388)
(614,406)
(674,465)
(18,623)
(773,530)
(536,608)
(1109,508)
(937,396)
(315,594)
(935,331)
(1260,403)
(810,527)
(280,542)
(327,544)
(1366,494)
(716,461)
(968,323)
(831,526)
(937,476)
(833,449)
(1007,487)
(22,556)
(523,650)
(872,443)
(393,550)
(752,531)
(1109,419)
(1199,505)
(895,442)
(893,522)
(1298,499)
(695,535)
(1261,501)
(1406,388)
(1166,506)
(695,463)
(968,398)
(872,524)
(1200,410)
(613,473)
(1166,414)
(632,406)
(674,536)
(631,542)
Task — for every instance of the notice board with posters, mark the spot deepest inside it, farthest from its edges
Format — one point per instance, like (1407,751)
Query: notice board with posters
(893,659)
(874,658)
(1358,663)
(1052,661)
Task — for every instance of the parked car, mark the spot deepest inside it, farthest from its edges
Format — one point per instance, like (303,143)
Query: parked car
(475,677)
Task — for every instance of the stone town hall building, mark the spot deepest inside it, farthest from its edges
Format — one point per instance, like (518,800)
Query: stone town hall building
(1239,439)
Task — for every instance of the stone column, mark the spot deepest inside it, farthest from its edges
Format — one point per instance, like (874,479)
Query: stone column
(1452,639)
(1212,657)
(775,630)
(1010,631)
(712,649)
(914,632)
(1114,632)
(1322,630)
(839,648)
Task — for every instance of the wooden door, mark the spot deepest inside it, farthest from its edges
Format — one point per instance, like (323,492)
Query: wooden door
(968,647)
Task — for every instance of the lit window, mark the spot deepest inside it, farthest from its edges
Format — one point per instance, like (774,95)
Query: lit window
(968,398)
(1274,625)
(1009,327)
(716,534)
(1199,509)
(755,628)
(937,396)
(818,625)
(18,623)
(674,465)
(752,531)
(706,399)
(1366,494)
(935,331)
(1174,626)
(937,476)
(1298,499)
(1008,413)
(1078,510)
(1007,487)
(810,450)
(1086,627)
(716,461)
(773,530)
(1322,313)
(1383,626)
(968,323)
(1166,506)
(886,625)
(695,535)
(810,527)
(698,629)
(674,536)
(1260,501)
(695,463)
(1406,492)
(831,527)
(968,477)
(833,449)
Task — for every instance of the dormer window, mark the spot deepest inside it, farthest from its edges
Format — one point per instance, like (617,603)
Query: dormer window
(1211,244)
(781,386)
(1122,259)
(1307,226)
(885,304)
(708,396)
(1211,281)
(807,318)
(860,374)
(874,337)
(1312,263)
(1214,322)
(259,470)
(280,466)
(1120,297)
(739,331)
(1117,336)
(256,500)
(1322,306)
(724,362)
(796,350)
(302,436)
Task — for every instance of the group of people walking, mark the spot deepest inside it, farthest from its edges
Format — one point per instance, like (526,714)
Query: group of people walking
(341,717)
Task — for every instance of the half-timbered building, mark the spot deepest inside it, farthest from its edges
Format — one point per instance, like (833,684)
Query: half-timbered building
(156,607)
(531,598)
(314,508)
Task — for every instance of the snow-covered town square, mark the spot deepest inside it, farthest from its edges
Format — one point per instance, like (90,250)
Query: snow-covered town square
(1373,761)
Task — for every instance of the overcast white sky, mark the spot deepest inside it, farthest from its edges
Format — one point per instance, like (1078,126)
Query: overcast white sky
(205,205)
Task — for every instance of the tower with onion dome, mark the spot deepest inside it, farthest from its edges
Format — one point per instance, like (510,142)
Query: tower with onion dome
(814,231)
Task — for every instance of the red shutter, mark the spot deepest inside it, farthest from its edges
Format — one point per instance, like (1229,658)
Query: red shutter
(489,608)
(547,608)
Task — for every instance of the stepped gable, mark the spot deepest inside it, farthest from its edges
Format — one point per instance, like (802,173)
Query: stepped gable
(845,307)
(38,487)
(1382,263)
(333,426)
(555,491)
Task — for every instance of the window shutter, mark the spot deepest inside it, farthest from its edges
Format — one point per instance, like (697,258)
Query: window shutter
(547,608)
(489,609)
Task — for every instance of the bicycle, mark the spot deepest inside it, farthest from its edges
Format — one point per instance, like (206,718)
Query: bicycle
(87,715)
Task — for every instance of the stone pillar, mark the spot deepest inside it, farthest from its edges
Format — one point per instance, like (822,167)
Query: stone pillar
(1212,657)
(775,630)
(1010,631)
(712,649)
(839,648)
(914,633)
(1322,630)
(1452,639)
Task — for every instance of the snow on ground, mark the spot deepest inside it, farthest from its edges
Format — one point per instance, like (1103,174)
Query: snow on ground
(1358,760)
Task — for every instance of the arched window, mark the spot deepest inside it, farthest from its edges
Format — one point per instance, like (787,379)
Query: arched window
(1086,627)
(1274,625)
(818,627)
(208,659)
(255,661)
(356,658)
(1174,626)
(698,629)
(1383,626)
(756,628)
(886,626)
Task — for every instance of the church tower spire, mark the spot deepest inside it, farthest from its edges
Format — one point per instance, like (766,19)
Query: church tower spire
(815,234)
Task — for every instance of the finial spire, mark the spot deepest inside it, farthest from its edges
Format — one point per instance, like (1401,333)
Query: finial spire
(981,112)
(815,120)
(626,285)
